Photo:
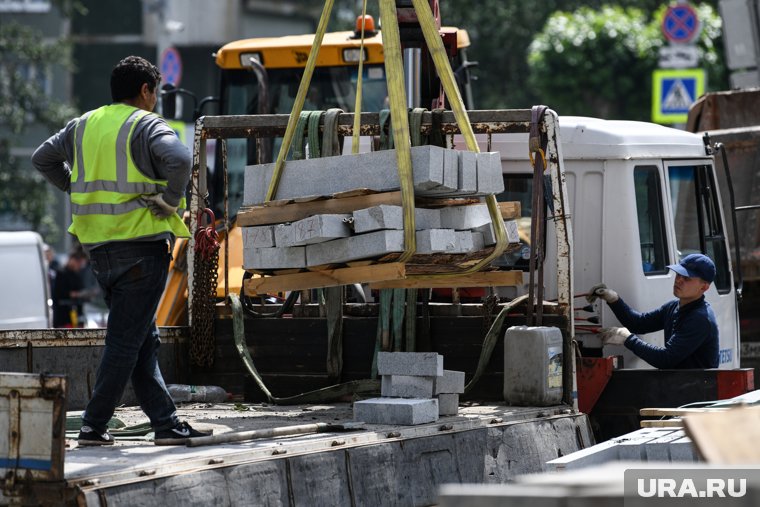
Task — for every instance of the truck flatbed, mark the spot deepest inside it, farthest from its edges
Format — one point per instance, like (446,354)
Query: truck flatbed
(376,465)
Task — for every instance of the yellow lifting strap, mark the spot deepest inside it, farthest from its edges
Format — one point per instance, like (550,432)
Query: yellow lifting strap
(397,98)
(303,89)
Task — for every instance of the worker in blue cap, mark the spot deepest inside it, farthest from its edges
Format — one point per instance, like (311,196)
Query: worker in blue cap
(691,330)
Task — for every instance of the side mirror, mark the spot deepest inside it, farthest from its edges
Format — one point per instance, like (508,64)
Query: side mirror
(169,101)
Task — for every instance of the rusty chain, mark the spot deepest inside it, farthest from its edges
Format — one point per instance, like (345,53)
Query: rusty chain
(206,255)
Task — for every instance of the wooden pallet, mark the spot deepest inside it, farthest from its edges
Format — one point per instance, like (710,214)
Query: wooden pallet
(290,210)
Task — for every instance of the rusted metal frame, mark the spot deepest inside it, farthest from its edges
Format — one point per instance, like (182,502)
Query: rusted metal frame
(564,235)
(273,125)
(41,338)
(226,221)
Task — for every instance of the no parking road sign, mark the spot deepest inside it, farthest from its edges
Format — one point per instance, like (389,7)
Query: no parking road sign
(680,24)
(673,92)
(171,66)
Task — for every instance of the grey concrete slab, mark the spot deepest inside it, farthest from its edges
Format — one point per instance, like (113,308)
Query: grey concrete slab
(451,381)
(325,176)
(437,241)
(275,258)
(465,242)
(387,216)
(659,449)
(467,172)
(258,237)
(424,364)
(313,229)
(489,237)
(361,246)
(683,449)
(448,404)
(463,218)
(490,177)
(401,411)
(406,386)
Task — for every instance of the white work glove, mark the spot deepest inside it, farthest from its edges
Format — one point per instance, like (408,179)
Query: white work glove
(158,206)
(601,291)
(614,335)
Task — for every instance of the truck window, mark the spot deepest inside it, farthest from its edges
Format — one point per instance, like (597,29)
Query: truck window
(651,219)
(697,218)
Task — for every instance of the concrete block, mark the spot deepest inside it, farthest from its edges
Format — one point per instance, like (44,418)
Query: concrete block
(448,404)
(489,237)
(406,386)
(362,246)
(451,381)
(422,364)
(490,177)
(387,216)
(464,242)
(477,241)
(258,237)
(462,218)
(467,172)
(450,170)
(325,176)
(406,411)
(274,258)
(313,229)
(437,241)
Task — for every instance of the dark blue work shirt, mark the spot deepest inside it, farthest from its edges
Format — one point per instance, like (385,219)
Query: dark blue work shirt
(691,334)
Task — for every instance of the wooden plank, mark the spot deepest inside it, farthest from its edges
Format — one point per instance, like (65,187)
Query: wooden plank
(729,437)
(326,278)
(263,215)
(510,210)
(481,279)
(662,412)
(662,423)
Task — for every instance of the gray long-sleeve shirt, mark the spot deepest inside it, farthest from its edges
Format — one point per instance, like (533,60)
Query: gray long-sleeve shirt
(156,151)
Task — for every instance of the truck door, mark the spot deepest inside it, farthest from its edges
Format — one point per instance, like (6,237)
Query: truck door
(699,227)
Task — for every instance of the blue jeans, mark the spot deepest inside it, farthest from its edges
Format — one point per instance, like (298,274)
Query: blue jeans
(132,276)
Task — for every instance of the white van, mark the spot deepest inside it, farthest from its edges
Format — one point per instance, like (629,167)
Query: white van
(23,276)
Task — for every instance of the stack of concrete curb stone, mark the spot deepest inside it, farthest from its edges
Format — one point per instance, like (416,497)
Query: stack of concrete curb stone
(373,232)
(415,389)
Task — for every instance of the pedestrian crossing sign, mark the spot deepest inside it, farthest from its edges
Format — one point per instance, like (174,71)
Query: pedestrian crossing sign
(673,92)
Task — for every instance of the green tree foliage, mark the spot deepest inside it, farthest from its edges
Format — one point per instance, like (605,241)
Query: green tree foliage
(501,32)
(599,62)
(26,60)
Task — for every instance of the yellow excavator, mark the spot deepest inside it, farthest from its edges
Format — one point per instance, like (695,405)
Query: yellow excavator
(261,76)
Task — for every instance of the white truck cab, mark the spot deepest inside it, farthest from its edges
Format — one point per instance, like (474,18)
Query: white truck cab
(24,300)
(641,197)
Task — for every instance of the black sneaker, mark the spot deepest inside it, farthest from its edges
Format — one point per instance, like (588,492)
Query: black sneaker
(88,436)
(178,435)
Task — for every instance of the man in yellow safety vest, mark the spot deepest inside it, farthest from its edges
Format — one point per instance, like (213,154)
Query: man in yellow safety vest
(126,172)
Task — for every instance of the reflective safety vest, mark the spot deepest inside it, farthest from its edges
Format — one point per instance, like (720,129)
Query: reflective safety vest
(106,186)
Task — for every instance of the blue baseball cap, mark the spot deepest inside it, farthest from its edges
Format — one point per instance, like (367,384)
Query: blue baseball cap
(695,265)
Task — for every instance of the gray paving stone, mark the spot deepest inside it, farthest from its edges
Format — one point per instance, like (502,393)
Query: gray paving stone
(258,237)
(438,241)
(448,404)
(361,246)
(423,364)
(406,386)
(325,176)
(490,177)
(313,229)
(404,411)
(386,216)
(274,258)
(489,237)
(463,218)
(467,172)
(450,382)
